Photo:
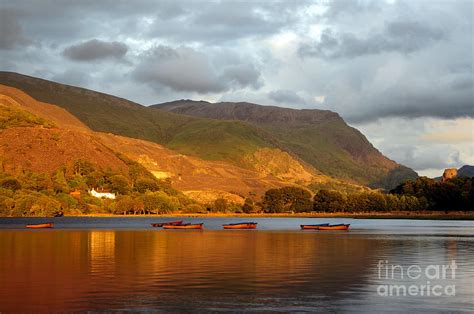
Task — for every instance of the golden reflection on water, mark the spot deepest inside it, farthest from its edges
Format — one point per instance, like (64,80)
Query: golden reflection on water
(101,251)
(77,270)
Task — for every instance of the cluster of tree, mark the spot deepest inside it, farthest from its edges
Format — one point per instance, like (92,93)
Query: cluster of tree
(423,194)
(367,201)
(456,194)
(65,191)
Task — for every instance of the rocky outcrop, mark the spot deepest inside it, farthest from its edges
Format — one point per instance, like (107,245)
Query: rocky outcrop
(449,173)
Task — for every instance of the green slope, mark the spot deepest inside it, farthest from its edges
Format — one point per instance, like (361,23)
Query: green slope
(319,137)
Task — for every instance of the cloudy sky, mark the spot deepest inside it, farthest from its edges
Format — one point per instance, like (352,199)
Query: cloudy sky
(401,71)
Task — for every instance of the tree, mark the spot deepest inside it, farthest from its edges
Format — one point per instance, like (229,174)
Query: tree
(6,205)
(159,203)
(146,184)
(287,199)
(273,201)
(220,205)
(248,206)
(329,201)
(82,167)
(59,182)
(120,184)
(129,205)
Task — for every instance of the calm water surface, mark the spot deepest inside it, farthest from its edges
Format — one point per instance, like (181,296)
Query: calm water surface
(120,264)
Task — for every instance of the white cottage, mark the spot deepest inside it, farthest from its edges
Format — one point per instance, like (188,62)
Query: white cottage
(94,193)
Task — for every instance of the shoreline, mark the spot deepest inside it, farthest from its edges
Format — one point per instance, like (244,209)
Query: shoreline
(393,215)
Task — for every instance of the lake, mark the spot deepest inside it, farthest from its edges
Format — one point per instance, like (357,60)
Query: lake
(122,264)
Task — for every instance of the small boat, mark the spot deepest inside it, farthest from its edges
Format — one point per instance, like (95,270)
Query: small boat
(169,223)
(326,227)
(38,226)
(241,225)
(184,226)
(313,227)
(335,227)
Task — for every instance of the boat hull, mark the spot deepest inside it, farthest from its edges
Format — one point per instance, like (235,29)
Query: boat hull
(243,225)
(312,227)
(40,226)
(186,226)
(170,223)
(339,227)
(326,227)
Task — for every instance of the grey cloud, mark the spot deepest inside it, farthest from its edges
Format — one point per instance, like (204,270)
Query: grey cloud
(218,22)
(397,36)
(413,99)
(95,49)
(420,160)
(185,69)
(242,75)
(11,31)
(340,7)
(181,69)
(286,97)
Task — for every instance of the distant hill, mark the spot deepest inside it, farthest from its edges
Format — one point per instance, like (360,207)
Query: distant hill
(321,138)
(466,171)
(248,136)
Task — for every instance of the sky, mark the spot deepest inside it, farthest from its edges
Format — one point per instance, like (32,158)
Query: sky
(401,71)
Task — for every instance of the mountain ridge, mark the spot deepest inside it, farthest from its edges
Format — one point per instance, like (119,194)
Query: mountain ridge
(320,140)
(327,132)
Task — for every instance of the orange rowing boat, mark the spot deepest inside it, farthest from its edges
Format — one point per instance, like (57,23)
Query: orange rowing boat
(184,226)
(38,226)
(326,227)
(335,227)
(241,225)
(313,227)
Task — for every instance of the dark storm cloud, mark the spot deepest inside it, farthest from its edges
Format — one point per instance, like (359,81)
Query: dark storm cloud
(95,49)
(185,69)
(397,36)
(286,97)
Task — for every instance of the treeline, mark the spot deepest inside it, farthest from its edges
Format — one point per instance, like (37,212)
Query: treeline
(66,191)
(423,194)
(456,194)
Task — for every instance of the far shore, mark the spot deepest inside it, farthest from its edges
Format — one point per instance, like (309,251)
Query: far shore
(392,215)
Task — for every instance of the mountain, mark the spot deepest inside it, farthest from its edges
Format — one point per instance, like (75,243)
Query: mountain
(320,138)
(218,140)
(41,137)
(466,171)
(298,146)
